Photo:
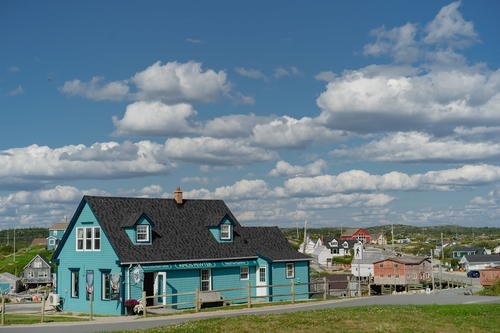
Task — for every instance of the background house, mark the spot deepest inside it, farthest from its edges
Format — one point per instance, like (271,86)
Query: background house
(56,231)
(402,270)
(358,234)
(362,265)
(379,239)
(9,283)
(37,272)
(459,252)
(331,247)
(479,261)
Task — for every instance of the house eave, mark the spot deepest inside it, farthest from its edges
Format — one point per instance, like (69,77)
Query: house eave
(288,260)
(184,260)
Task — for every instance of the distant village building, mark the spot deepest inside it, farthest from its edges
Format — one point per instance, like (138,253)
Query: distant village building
(479,261)
(489,276)
(459,252)
(496,249)
(38,242)
(9,283)
(56,231)
(402,270)
(116,248)
(329,247)
(37,272)
(358,234)
(379,239)
(402,240)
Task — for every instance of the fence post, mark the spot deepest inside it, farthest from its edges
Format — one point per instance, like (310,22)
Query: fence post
(292,287)
(325,287)
(3,310)
(369,289)
(197,303)
(249,295)
(144,305)
(91,317)
(43,310)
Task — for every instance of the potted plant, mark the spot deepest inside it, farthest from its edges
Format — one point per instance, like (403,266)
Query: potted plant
(130,304)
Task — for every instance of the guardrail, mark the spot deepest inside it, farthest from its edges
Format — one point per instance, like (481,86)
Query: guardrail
(197,302)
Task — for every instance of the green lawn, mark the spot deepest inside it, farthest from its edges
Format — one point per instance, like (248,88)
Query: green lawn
(14,319)
(426,318)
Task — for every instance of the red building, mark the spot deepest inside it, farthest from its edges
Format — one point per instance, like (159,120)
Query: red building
(359,234)
(402,270)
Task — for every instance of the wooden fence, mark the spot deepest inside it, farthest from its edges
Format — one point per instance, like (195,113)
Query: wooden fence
(197,301)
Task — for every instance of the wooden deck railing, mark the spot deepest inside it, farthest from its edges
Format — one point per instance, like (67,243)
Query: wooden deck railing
(197,302)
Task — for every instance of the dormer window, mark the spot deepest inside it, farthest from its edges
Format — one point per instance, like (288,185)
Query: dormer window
(225,231)
(142,233)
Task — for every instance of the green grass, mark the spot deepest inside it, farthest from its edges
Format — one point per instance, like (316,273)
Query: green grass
(23,257)
(15,319)
(426,318)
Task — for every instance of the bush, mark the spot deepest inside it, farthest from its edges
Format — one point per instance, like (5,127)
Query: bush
(493,290)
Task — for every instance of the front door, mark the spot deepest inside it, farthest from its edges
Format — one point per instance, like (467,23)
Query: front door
(160,288)
(148,286)
(261,281)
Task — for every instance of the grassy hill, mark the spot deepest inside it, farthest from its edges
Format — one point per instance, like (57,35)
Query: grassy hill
(23,257)
(23,236)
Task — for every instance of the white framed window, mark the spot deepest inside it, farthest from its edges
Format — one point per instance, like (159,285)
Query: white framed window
(290,270)
(142,233)
(225,231)
(244,273)
(262,274)
(206,279)
(88,239)
(31,274)
(106,286)
(37,264)
(54,232)
(52,241)
(74,284)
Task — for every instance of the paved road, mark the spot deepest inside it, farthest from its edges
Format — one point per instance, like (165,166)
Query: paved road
(122,323)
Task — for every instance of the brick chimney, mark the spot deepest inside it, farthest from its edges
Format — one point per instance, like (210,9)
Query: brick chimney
(178,196)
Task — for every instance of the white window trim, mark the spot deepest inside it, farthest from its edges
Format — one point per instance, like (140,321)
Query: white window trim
(288,276)
(209,279)
(52,241)
(228,231)
(137,233)
(92,239)
(242,268)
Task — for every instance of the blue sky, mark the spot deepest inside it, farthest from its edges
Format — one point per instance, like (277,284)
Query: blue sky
(342,113)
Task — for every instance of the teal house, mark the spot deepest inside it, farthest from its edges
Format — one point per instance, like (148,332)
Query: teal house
(115,248)
(56,232)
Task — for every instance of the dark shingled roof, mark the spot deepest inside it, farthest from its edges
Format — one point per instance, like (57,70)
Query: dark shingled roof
(181,233)
(483,258)
(340,242)
(467,249)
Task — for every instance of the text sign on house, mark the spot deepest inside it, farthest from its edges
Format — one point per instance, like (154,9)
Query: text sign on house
(200,265)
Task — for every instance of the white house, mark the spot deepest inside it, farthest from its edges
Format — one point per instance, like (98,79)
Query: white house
(309,246)
(496,249)
(480,261)
(330,247)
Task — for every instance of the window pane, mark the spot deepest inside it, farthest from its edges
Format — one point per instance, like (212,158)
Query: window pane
(262,274)
(97,232)
(79,232)
(88,244)
(80,244)
(88,232)
(97,244)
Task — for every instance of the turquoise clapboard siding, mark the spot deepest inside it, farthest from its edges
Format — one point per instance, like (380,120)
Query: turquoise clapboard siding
(69,259)
(278,270)
(216,231)
(131,232)
(56,235)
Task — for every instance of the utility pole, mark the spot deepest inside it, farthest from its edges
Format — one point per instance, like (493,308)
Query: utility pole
(392,236)
(297,226)
(7,236)
(432,269)
(441,264)
(305,235)
(14,245)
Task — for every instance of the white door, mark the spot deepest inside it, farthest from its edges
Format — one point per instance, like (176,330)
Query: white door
(160,288)
(261,281)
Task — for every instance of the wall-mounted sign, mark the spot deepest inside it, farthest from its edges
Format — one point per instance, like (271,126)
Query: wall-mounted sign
(200,265)
(138,274)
